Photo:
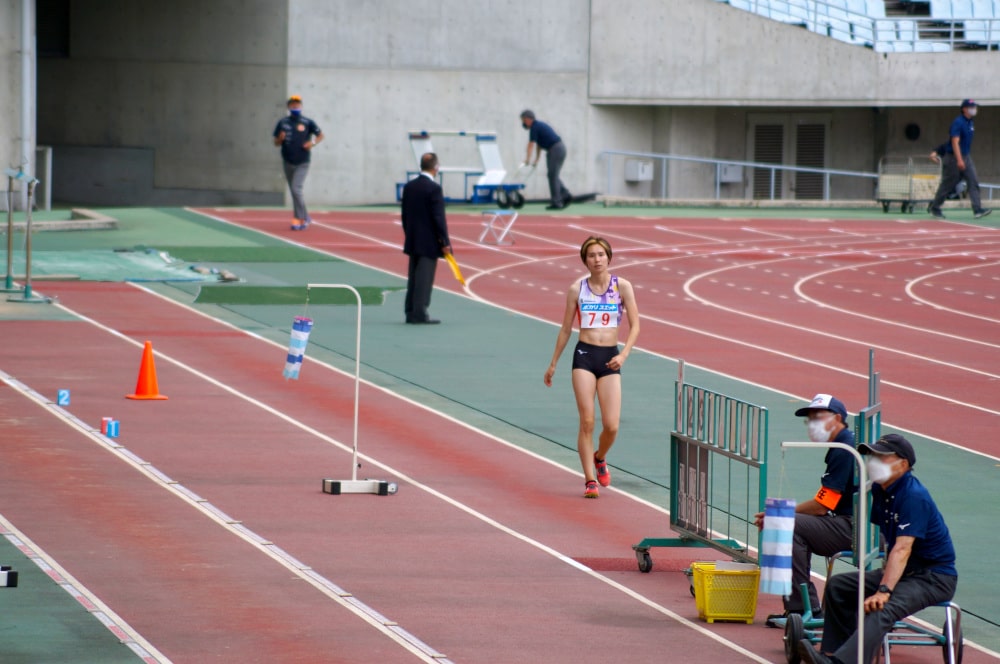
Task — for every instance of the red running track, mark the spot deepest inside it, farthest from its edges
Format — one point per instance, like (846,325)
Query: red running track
(793,305)
(470,568)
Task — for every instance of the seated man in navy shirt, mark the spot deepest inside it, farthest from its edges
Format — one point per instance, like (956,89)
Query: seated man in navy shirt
(823,524)
(919,568)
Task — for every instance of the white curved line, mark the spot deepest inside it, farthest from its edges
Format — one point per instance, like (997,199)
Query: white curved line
(911,284)
(820,303)
(688,290)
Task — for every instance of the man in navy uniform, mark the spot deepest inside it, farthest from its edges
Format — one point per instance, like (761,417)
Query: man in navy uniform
(297,135)
(541,136)
(425,231)
(919,567)
(956,162)
(823,524)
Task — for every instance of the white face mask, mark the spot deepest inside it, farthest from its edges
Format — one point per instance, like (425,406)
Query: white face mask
(878,470)
(817,431)
(972,112)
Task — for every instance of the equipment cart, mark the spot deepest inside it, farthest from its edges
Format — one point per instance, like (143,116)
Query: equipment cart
(907,181)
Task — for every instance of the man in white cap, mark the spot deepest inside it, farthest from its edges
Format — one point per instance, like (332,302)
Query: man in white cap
(919,567)
(823,524)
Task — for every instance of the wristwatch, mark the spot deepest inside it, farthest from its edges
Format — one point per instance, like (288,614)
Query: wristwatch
(885,589)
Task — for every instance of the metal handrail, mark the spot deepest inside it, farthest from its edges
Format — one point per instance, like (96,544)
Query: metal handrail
(664,158)
(719,163)
(854,26)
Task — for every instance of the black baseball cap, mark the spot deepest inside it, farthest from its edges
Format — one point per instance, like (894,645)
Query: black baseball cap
(891,443)
(527,113)
(968,102)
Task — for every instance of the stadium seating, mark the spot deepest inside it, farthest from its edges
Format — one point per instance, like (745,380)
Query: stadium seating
(938,27)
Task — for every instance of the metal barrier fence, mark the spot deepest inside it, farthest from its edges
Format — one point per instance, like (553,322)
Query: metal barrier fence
(718,473)
(773,174)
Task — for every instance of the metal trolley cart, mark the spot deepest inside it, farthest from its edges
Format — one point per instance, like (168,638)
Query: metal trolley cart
(907,182)
(482,183)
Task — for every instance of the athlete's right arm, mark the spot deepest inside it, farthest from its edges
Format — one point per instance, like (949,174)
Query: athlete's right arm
(564,331)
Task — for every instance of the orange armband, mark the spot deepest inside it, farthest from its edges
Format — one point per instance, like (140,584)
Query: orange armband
(827,497)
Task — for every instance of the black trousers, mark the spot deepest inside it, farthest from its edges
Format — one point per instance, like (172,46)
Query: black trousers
(419,284)
(822,535)
(950,176)
(912,593)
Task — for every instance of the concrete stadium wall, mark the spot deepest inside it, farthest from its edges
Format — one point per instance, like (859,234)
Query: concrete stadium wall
(703,52)
(199,84)
(10,93)
(202,84)
(372,72)
(176,101)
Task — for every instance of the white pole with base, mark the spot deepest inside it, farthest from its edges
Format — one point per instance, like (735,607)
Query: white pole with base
(354,485)
(862,528)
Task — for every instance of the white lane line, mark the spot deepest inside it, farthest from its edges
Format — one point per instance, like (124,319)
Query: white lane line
(327,587)
(768,233)
(705,238)
(345,599)
(606,234)
(91,602)
(914,282)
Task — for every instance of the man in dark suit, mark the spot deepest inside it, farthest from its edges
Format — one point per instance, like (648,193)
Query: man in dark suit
(426,238)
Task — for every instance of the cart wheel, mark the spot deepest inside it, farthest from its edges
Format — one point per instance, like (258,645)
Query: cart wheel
(516,200)
(794,632)
(502,198)
(885,207)
(645,561)
(958,646)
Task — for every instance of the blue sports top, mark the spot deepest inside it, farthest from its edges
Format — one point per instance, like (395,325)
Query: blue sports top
(543,134)
(297,130)
(839,474)
(964,128)
(906,508)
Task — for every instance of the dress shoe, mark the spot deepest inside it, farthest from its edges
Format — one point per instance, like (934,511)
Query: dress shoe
(428,321)
(554,207)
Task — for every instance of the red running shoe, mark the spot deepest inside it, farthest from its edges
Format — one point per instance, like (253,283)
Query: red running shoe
(591,490)
(603,474)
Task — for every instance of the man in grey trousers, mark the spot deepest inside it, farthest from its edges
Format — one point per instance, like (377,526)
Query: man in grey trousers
(956,162)
(297,135)
(541,136)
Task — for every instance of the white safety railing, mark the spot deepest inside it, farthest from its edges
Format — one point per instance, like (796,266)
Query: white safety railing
(948,25)
(774,182)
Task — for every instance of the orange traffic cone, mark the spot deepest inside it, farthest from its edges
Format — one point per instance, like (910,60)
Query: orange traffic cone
(147,388)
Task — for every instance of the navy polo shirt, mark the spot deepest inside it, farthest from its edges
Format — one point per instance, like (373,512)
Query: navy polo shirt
(839,475)
(906,509)
(298,130)
(542,134)
(964,128)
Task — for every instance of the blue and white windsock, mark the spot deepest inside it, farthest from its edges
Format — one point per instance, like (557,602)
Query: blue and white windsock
(301,327)
(776,547)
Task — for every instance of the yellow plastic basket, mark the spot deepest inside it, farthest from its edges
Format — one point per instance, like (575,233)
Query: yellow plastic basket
(725,594)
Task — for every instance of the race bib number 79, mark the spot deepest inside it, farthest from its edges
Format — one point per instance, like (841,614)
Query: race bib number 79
(598,315)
